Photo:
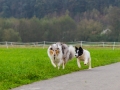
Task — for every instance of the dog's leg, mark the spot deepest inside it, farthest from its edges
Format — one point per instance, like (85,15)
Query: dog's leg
(86,61)
(63,65)
(78,63)
(58,67)
(64,62)
(89,63)
(59,64)
(53,63)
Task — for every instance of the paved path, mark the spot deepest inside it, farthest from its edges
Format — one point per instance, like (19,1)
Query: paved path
(99,78)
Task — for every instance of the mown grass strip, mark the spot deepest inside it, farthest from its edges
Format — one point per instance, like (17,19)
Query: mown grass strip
(19,66)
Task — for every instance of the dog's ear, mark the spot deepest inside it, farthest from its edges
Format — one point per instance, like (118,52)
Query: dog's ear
(51,48)
(81,50)
(57,48)
(76,47)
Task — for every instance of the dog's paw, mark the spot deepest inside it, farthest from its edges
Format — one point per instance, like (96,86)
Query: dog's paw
(89,68)
(79,66)
(85,63)
(58,68)
(55,66)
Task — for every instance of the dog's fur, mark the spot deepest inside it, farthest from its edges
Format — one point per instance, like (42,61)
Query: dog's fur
(84,55)
(59,53)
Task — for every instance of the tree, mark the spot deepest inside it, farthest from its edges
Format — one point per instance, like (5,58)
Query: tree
(89,30)
(114,22)
(10,35)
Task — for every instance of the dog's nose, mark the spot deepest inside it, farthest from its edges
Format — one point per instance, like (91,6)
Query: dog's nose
(76,55)
(54,55)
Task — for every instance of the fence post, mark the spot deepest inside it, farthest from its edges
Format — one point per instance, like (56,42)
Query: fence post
(11,44)
(44,45)
(81,44)
(113,45)
(34,44)
(6,44)
(103,44)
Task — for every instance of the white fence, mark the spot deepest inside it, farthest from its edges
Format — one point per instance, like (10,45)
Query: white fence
(47,43)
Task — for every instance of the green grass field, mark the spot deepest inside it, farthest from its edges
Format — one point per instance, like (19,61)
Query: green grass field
(19,66)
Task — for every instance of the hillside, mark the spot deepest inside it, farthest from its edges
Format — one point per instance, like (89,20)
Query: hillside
(41,8)
(59,20)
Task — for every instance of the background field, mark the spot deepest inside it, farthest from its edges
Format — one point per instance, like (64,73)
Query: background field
(20,66)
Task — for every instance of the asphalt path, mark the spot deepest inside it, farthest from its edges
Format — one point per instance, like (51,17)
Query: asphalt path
(99,78)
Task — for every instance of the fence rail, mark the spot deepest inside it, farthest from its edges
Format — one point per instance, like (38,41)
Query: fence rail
(47,43)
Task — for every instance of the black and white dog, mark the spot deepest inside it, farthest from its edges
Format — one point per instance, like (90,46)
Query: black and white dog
(84,55)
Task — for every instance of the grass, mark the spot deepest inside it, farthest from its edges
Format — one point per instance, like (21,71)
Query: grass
(19,66)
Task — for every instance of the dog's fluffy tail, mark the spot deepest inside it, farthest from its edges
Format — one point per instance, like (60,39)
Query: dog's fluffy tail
(72,52)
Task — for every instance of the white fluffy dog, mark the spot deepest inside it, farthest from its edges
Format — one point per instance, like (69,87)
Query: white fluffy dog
(60,53)
(84,55)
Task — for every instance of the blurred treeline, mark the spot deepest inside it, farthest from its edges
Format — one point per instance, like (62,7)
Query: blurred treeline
(59,20)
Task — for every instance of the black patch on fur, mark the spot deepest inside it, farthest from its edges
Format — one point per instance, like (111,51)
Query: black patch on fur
(80,50)
(63,48)
(76,48)
(62,45)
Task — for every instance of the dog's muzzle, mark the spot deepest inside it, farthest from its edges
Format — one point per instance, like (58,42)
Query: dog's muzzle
(76,56)
(54,57)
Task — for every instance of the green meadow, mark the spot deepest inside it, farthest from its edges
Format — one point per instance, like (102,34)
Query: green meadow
(19,66)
